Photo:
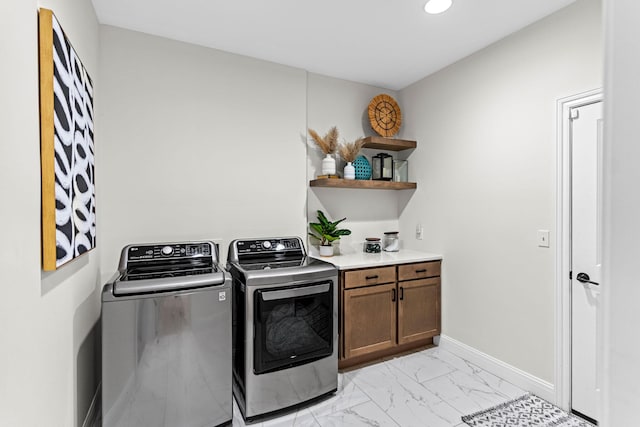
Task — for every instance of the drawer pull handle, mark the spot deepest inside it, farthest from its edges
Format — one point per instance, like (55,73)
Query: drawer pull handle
(401,293)
(424,270)
(372,277)
(393,294)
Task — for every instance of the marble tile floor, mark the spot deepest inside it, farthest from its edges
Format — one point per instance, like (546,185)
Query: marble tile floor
(430,388)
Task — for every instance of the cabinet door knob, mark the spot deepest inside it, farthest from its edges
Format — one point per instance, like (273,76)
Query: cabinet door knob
(393,294)
(401,293)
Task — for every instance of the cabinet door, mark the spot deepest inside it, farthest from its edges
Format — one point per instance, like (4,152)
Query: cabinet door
(369,319)
(418,309)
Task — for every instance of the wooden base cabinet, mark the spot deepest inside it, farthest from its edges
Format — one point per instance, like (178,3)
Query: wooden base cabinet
(386,310)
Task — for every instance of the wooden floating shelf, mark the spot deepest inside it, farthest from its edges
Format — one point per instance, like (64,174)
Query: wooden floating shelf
(361,183)
(389,144)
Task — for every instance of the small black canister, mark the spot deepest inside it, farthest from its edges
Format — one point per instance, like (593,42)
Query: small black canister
(372,245)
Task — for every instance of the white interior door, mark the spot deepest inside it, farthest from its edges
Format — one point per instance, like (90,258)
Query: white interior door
(586,243)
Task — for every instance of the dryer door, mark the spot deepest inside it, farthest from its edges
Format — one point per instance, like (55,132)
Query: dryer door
(293,325)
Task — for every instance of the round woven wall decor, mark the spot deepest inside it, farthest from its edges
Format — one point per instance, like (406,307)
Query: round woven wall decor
(385,115)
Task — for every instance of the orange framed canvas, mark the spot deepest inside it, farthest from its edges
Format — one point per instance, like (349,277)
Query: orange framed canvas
(66,148)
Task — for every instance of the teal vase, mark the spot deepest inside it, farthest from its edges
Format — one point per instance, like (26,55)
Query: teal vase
(362,167)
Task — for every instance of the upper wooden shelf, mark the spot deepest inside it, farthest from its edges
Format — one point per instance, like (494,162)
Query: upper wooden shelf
(362,183)
(389,144)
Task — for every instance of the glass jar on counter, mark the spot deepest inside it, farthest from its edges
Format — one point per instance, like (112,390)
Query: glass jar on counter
(391,242)
(372,245)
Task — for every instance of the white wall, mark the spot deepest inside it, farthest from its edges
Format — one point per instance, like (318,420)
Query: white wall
(196,144)
(622,200)
(485,167)
(369,213)
(47,356)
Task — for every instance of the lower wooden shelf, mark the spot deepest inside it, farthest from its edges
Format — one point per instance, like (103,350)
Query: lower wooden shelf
(361,183)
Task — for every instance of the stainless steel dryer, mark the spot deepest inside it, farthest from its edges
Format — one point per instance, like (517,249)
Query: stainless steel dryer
(285,325)
(166,338)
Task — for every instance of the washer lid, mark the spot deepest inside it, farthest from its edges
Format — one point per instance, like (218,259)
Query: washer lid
(123,286)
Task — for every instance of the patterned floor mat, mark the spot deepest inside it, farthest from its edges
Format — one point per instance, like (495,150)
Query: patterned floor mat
(526,411)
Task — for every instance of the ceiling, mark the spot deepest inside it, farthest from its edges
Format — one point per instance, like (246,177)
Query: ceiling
(385,43)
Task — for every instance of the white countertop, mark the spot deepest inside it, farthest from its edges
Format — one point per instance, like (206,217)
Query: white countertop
(363,260)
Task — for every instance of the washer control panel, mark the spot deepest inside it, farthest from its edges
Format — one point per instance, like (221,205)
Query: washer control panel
(138,253)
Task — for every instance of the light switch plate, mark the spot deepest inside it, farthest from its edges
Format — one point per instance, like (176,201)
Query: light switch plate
(543,238)
(419,231)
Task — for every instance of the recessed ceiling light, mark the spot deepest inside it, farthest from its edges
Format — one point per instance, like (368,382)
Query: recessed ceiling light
(437,6)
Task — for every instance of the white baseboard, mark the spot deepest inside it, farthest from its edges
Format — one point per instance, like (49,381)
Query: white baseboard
(515,376)
(92,413)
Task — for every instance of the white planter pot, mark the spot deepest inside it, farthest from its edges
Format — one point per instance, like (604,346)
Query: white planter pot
(328,165)
(349,171)
(326,250)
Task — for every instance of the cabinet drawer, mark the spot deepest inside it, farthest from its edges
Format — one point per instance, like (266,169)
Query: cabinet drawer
(418,270)
(369,276)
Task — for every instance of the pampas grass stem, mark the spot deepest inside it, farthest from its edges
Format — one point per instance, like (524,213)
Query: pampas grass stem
(349,150)
(329,143)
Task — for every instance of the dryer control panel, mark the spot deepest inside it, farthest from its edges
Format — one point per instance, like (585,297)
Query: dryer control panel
(268,247)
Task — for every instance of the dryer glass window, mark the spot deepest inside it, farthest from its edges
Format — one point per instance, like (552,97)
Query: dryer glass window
(293,325)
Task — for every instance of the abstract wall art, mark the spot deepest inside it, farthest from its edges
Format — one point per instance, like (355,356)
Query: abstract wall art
(66,148)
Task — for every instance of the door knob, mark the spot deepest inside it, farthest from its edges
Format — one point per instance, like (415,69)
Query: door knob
(584,278)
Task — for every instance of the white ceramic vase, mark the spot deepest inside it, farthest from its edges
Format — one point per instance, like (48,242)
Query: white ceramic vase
(349,171)
(326,250)
(328,165)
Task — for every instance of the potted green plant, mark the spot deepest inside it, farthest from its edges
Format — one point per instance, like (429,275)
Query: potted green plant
(327,232)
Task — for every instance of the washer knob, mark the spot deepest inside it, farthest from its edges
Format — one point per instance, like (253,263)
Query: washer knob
(167,250)
(266,244)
